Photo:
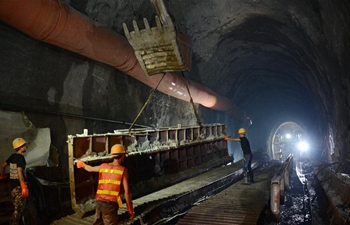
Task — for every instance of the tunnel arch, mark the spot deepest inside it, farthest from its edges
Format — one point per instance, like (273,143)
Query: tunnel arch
(275,74)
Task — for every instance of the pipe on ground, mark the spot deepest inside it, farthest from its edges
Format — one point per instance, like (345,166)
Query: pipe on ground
(57,23)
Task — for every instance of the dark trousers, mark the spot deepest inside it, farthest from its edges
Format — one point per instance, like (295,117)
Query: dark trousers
(106,213)
(247,166)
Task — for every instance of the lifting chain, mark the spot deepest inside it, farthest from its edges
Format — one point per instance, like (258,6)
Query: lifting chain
(151,95)
(146,103)
(191,100)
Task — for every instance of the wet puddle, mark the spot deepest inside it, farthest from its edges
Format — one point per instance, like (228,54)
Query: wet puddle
(303,206)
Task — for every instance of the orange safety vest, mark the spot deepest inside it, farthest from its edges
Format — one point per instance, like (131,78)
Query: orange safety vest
(110,178)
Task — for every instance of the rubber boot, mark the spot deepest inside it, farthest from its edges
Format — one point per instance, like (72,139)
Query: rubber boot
(246,177)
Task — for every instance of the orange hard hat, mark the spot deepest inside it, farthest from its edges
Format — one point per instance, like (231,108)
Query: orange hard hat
(118,149)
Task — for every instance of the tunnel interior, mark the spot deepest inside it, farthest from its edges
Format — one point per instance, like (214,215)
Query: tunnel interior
(283,65)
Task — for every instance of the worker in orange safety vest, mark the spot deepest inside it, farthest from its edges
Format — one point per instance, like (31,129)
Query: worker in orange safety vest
(113,181)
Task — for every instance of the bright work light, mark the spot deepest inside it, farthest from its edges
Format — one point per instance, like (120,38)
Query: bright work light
(303,146)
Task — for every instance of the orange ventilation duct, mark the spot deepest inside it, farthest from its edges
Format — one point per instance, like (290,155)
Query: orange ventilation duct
(59,24)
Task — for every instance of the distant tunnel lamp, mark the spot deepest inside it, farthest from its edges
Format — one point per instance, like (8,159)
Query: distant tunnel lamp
(303,146)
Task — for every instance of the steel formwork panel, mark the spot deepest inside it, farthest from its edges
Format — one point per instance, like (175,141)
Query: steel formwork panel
(174,149)
(197,150)
(174,155)
(204,158)
(182,153)
(183,165)
(164,155)
(190,163)
(198,160)
(204,149)
(190,151)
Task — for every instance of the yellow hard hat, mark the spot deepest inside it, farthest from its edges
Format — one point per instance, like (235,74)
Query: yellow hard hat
(241,131)
(118,149)
(18,142)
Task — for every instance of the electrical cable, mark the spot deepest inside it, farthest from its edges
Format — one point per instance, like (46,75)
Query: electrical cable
(26,110)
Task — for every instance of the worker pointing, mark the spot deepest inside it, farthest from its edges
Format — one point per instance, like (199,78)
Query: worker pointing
(19,190)
(113,182)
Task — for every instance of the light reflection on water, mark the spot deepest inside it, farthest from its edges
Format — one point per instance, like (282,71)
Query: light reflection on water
(302,206)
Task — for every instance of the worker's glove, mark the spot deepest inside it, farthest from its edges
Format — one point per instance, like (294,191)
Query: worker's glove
(80,164)
(2,177)
(131,212)
(226,137)
(25,191)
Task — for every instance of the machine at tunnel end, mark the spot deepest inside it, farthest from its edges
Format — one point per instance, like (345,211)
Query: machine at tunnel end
(288,138)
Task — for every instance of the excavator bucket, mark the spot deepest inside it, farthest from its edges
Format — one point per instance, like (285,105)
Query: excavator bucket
(162,48)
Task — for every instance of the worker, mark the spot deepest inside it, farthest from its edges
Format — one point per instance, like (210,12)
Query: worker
(247,154)
(19,189)
(113,181)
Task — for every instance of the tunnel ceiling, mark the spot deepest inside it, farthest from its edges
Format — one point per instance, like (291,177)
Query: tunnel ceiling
(270,58)
(263,57)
